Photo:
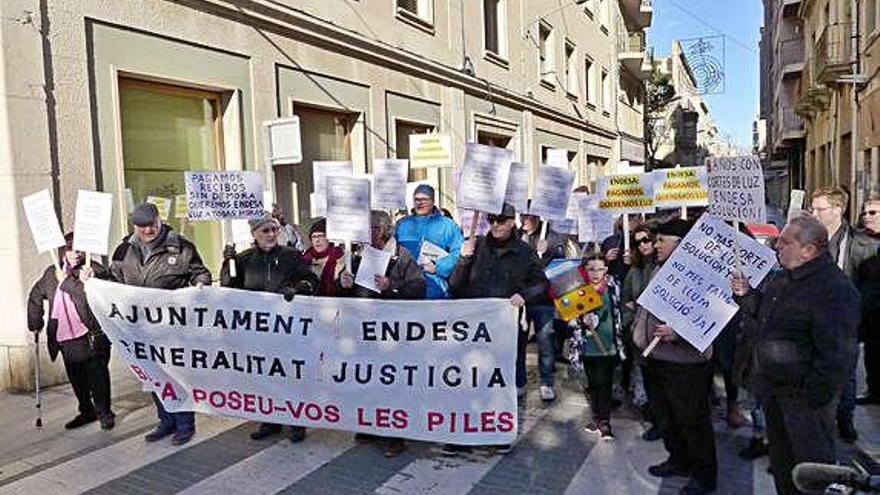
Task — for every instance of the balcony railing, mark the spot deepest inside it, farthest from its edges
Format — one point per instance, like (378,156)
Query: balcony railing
(790,123)
(833,51)
(791,51)
(631,42)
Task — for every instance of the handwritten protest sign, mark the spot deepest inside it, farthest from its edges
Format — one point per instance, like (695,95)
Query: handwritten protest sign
(348,208)
(282,143)
(691,292)
(483,180)
(736,188)
(627,193)
(180,208)
(466,220)
(795,202)
(678,187)
(389,184)
(570,225)
(320,171)
(430,150)
(551,193)
(557,157)
(42,220)
(438,371)
(517,193)
(162,203)
(224,195)
(91,231)
(594,223)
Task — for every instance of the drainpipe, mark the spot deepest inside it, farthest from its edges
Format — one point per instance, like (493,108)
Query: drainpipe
(854,133)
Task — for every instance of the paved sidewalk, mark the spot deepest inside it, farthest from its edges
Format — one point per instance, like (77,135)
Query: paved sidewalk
(552,456)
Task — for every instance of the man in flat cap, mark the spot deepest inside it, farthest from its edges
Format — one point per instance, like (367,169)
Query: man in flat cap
(156,256)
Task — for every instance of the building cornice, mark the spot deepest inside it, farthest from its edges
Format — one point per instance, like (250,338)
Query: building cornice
(299,25)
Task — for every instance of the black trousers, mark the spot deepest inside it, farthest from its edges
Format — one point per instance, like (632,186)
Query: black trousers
(600,379)
(797,434)
(679,398)
(872,363)
(86,361)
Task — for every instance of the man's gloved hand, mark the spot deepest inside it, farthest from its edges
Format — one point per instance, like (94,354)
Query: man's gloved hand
(229,252)
(303,287)
(289,293)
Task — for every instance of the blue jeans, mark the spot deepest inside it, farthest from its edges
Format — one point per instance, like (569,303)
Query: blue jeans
(541,315)
(181,422)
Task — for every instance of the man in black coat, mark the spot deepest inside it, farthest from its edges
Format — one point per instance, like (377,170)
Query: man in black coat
(806,320)
(269,267)
(156,256)
(73,330)
(499,265)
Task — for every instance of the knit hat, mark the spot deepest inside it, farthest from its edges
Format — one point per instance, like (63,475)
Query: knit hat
(144,214)
(319,225)
(425,189)
(675,227)
(259,223)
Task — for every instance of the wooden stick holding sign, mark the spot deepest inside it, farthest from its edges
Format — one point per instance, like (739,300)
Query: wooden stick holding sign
(625,233)
(543,235)
(348,256)
(651,347)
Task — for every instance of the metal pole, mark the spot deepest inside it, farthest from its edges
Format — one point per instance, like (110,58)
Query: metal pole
(854,134)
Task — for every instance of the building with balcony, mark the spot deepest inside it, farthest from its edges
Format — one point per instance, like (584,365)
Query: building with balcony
(822,101)
(112,96)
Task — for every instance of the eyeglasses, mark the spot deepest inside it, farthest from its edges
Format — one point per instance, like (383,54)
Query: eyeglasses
(496,218)
(269,230)
(645,240)
(421,200)
(870,213)
(819,210)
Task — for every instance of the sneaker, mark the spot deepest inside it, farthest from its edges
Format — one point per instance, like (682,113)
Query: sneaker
(108,421)
(80,420)
(756,448)
(364,438)
(520,392)
(452,449)
(605,431)
(667,469)
(547,393)
(591,427)
(182,437)
(847,431)
(158,434)
(297,434)
(695,487)
(265,430)
(652,434)
(394,448)
(735,418)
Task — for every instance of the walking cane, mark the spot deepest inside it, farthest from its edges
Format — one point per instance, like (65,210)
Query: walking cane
(39,422)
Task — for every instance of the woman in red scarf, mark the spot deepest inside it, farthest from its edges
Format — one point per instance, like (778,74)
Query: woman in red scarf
(326,260)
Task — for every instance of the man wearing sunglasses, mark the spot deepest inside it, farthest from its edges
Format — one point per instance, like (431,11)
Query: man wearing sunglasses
(269,267)
(499,265)
(869,279)
(849,249)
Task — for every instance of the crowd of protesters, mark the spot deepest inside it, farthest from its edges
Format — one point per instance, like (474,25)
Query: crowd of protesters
(793,345)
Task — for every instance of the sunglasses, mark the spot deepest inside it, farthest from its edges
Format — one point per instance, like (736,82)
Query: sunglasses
(645,240)
(269,230)
(870,213)
(496,218)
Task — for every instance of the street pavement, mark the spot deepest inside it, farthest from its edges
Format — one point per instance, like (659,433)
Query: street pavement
(553,454)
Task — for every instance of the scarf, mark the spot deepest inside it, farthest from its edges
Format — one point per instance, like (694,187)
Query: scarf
(328,273)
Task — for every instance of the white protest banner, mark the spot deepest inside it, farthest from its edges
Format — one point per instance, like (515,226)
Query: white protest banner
(282,144)
(552,192)
(557,157)
(569,226)
(691,292)
(373,262)
(91,229)
(676,187)
(40,213)
(320,171)
(438,371)
(594,224)
(430,150)
(180,208)
(628,193)
(241,231)
(517,193)
(348,208)
(224,195)
(736,188)
(466,220)
(162,203)
(795,202)
(389,183)
(483,180)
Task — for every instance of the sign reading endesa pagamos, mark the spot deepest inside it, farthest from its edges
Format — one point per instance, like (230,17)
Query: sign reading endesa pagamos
(627,193)
(430,150)
(678,187)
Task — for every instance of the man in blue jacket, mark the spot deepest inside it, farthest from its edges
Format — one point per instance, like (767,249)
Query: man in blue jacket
(427,224)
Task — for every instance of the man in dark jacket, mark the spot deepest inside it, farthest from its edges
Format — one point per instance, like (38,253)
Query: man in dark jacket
(403,279)
(156,256)
(869,287)
(73,330)
(269,267)
(806,328)
(849,249)
(499,265)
